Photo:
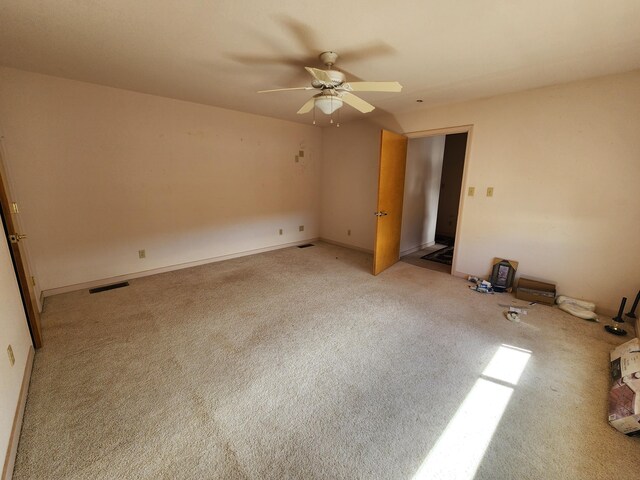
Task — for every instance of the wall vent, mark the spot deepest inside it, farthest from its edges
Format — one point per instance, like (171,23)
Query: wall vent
(306,245)
(108,287)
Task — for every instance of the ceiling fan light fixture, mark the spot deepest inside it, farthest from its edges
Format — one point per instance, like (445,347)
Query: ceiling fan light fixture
(328,103)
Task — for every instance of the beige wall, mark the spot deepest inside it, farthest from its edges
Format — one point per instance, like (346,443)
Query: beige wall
(564,164)
(421,191)
(350,183)
(14,332)
(101,173)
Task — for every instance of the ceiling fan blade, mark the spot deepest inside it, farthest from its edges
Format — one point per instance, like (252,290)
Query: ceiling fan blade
(348,74)
(308,106)
(367,52)
(285,89)
(304,34)
(372,87)
(318,74)
(356,102)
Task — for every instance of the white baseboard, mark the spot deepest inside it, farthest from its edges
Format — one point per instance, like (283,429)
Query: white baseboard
(12,449)
(345,245)
(415,249)
(170,268)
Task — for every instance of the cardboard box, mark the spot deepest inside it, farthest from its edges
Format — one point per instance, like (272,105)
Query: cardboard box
(531,290)
(631,346)
(624,396)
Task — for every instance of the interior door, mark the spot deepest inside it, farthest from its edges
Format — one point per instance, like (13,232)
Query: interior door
(10,298)
(393,159)
(13,237)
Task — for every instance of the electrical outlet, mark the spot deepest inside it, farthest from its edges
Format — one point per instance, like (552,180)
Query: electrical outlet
(489,191)
(297,158)
(280,231)
(12,358)
(301,153)
(472,191)
(301,228)
(349,233)
(142,254)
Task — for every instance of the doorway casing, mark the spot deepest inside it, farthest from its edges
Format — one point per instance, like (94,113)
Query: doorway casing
(468,129)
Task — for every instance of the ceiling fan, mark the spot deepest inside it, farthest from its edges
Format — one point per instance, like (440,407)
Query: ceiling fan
(335,91)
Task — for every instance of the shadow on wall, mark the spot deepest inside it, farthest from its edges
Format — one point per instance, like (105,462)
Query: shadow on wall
(451,185)
(422,186)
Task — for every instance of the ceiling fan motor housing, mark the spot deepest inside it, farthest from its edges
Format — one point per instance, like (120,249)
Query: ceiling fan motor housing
(337,79)
(328,58)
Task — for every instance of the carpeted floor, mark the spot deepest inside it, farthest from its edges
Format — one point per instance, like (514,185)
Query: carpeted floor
(300,364)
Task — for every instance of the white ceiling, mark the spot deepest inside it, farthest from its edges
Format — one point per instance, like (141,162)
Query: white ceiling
(221,52)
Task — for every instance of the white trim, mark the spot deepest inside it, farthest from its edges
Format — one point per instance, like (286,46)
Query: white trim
(12,449)
(440,131)
(345,245)
(468,129)
(121,278)
(415,249)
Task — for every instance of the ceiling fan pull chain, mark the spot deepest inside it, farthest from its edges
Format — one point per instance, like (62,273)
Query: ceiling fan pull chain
(331,103)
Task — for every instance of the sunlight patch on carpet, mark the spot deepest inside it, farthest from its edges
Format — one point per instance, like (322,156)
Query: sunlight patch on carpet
(507,364)
(461,447)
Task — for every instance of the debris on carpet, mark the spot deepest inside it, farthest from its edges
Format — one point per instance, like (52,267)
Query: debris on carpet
(578,308)
(481,286)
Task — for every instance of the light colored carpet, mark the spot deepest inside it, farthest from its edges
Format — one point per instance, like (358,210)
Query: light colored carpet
(300,364)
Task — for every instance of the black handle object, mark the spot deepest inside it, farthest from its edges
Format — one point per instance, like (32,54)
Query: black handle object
(632,313)
(619,318)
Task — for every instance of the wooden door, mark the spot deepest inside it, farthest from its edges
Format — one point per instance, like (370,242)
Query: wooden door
(393,159)
(13,238)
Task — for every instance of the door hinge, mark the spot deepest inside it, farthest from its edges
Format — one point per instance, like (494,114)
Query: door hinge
(14,207)
(33,281)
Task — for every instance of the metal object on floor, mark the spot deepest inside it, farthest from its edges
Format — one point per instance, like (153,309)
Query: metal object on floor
(632,312)
(618,318)
(613,327)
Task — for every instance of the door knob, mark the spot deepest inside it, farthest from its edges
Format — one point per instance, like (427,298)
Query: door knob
(381,213)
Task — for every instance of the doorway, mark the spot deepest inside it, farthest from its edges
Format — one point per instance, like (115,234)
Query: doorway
(432,198)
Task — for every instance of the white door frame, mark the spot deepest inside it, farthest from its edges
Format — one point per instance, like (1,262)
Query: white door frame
(468,129)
